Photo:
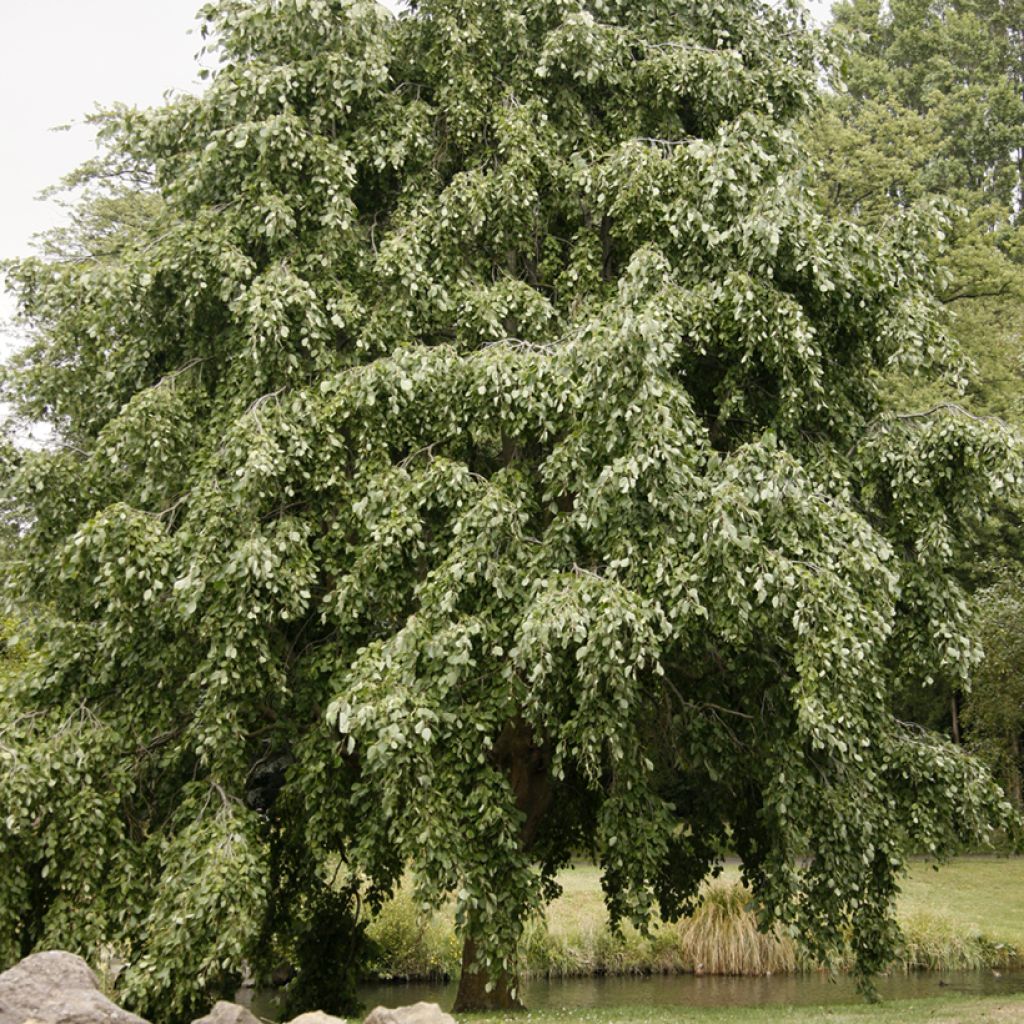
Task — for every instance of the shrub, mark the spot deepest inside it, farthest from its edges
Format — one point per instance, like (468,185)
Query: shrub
(410,944)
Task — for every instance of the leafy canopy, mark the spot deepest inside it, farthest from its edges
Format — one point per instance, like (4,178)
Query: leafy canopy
(931,110)
(928,106)
(472,458)
(995,712)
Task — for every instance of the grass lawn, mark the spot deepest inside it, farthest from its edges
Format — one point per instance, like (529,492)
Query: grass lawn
(986,893)
(952,1010)
(981,893)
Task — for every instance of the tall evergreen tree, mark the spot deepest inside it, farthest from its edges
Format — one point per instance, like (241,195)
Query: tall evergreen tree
(477,457)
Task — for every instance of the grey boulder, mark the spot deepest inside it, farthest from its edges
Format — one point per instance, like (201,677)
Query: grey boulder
(418,1013)
(228,1013)
(56,988)
(316,1017)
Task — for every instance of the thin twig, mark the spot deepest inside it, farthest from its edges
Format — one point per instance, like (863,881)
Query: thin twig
(167,378)
(670,143)
(262,401)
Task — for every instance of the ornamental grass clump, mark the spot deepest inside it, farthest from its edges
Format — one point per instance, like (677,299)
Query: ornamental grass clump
(722,937)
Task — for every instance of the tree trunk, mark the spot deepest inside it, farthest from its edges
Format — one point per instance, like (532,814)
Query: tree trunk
(1014,787)
(473,996)
(954,717)
(526,764)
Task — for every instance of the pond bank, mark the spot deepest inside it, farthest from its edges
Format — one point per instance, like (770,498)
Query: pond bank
(949,1010)
(720,939)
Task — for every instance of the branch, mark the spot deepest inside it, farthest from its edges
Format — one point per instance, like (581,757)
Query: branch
(913,727)
(157,742)
(669,143)
(951,407)
(995,293)
(427,449)
(580,571)
(174,374)
(170,510)
(225,799)
(73,448)
(716,711)
(262,401)
(529,346)
(673,45)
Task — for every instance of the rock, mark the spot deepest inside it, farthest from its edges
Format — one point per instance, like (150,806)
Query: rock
(56,988)
(418,1013)
(316,1017)
(228,1013)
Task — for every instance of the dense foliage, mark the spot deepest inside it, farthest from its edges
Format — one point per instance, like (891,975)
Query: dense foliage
(932,104)
(474,455)
(929,107)
(12,654)
(994,715)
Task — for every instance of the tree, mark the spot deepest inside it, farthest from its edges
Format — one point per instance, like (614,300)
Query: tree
(949,72)
(928,105)
(482,444)
(994,716)
(929,102)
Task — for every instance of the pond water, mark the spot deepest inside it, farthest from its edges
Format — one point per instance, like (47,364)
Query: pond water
(693,990)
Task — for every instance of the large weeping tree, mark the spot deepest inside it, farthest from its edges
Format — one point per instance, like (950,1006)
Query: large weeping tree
(468,454)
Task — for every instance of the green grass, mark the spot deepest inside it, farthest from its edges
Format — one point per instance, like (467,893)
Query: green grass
(950,1010)
(968,915)
(986,893)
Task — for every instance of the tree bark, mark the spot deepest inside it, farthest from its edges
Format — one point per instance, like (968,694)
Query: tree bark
(526,764)
(473,996)
(1014,787)
(954,717)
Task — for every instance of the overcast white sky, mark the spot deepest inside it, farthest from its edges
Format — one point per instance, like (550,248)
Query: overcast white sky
(58,58)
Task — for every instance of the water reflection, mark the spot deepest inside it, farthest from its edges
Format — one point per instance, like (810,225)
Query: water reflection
(692,990)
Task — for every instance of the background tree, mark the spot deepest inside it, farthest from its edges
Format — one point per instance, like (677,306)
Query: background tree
(928,106)
(934,98)
(929,103)
(485,384)
(994,715)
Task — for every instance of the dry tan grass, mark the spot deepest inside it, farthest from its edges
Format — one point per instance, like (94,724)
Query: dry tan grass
(722,937)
